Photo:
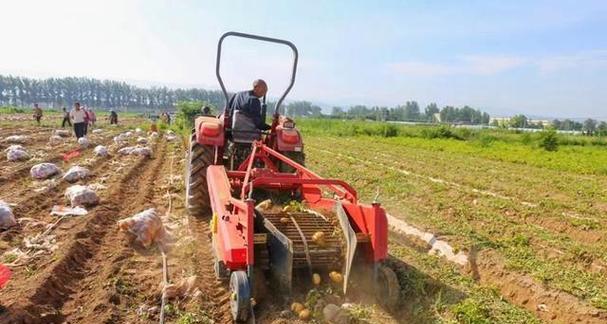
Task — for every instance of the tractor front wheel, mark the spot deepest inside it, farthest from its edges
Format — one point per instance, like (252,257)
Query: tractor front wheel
(240,296)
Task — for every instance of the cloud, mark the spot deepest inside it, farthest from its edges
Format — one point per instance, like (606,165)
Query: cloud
(492,65)
(587,59)
(470,64)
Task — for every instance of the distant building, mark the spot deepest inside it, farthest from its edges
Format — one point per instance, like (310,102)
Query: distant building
(544,122)
(436,118)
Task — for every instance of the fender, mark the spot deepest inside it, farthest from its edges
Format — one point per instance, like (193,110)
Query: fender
(288,139)
(209,131)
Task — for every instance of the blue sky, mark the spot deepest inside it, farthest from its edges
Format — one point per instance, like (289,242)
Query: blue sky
(545,58)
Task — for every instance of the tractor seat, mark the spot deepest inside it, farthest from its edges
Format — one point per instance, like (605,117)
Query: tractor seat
(244,129)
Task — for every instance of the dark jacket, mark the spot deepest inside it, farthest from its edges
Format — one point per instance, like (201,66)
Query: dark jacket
(248,104)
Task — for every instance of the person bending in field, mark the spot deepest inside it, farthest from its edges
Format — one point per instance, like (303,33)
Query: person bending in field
(66,118)
(78,117)
(248,103)
(37,114)
(113,117)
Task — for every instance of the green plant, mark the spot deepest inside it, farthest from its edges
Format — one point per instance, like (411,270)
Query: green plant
(549,140)
(471,311)
(10,257)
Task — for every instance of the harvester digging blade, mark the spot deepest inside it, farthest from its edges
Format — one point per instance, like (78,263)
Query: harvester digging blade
(351,242)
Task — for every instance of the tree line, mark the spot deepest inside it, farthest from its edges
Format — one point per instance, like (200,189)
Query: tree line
(410,111)
(61,92)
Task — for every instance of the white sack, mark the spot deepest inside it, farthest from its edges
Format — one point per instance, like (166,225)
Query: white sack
(84,142)
(81,196)
(55,139)
(76,173)
(100,150)
(17,154)
(44,170)
(146,226)
(62,132)
(7,219)
(17,139)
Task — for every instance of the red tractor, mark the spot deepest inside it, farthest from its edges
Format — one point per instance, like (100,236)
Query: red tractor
(233,167)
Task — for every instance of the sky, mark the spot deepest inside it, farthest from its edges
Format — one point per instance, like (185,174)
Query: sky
(541,58)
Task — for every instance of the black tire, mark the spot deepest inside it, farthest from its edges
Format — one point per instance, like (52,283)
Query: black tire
(196,190)
(387,288)
(240,301)
(299,157)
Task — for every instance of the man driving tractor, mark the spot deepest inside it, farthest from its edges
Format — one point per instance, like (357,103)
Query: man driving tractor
(248,103)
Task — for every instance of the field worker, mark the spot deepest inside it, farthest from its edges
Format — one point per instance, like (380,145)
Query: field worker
(87,119)
(78,118)
(168,117)
(113,117)
(37,113)
(66,118)
(206,110)
(248,103)
(92,116)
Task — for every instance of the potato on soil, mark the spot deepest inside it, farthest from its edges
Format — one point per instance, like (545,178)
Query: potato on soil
(297,308)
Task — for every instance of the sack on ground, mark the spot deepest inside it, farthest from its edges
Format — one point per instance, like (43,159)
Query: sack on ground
(81,196)
(100,150)
(62,132)
(17,154)
(44,170)
(55,139)
(14,147)
(135,150)
(84,142)
(146,226)
(17,139)
(146,151)
(96,131)
(76,173)
(7,219)
(142,140)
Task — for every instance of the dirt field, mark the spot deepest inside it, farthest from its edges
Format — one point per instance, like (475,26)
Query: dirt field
(534,254)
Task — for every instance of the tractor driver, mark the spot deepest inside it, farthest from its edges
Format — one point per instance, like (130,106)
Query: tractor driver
(248,103)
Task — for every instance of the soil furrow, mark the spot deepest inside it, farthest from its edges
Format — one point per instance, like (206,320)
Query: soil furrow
(40,301)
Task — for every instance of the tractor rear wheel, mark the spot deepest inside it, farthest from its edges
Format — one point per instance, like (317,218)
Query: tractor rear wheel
(240,298)
(196,190)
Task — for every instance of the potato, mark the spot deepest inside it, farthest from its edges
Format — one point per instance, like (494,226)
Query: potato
(285,220)
(304,315)
(319,238)
(316,279)
(297,308)
(336,277)
(266,204)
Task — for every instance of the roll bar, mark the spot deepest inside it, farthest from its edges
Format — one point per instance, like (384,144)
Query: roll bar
(260,38)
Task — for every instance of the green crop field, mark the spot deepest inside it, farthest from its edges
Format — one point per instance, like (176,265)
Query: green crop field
(497,195)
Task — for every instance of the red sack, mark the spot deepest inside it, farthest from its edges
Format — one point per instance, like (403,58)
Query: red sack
(5,274)
(70,155)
